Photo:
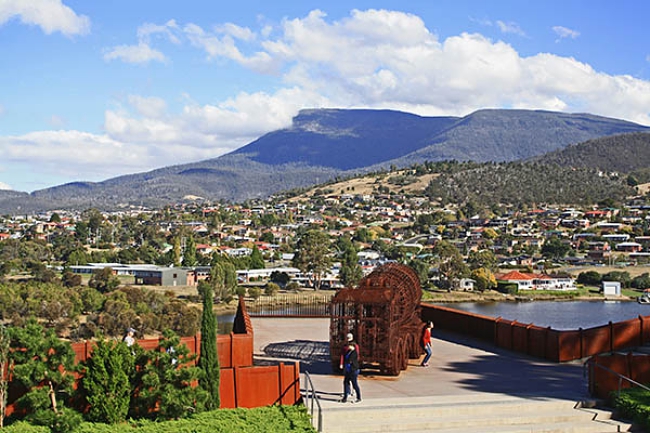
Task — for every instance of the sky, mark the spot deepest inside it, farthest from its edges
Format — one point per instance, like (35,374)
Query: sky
(91,90)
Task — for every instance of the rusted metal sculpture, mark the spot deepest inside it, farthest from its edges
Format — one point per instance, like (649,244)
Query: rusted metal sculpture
(383,314)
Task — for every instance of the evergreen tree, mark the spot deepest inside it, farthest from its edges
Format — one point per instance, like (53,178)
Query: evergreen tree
(351,271)
(167,382)
(256,260)
(106,381)
(189,254)
(4,366)
(177,253)
(44,365)
(209,357)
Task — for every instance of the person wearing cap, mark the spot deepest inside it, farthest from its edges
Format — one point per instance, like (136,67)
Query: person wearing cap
(351,368)
(128,338)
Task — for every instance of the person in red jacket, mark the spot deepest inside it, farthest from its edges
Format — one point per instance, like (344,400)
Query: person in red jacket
(426,344)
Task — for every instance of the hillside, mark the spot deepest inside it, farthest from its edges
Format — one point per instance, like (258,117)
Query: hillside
(326,144)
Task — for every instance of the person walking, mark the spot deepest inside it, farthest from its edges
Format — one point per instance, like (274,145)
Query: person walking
(351,368)
(426,344)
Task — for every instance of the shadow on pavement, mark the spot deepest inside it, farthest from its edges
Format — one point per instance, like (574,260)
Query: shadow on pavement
(314,356)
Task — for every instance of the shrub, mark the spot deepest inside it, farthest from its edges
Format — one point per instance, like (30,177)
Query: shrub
(271,289)
(254,292)
(634,403)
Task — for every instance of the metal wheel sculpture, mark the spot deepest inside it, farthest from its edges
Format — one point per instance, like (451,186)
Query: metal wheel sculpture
(383,314)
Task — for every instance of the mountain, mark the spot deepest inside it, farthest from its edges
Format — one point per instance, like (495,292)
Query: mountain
(323,144)
(623,153)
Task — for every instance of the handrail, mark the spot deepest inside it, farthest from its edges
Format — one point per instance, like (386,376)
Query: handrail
(310,393)
(616,373)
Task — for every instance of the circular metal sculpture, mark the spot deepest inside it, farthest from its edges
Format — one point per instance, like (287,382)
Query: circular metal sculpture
(383,315)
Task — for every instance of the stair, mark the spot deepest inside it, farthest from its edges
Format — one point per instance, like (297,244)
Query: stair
(468,414)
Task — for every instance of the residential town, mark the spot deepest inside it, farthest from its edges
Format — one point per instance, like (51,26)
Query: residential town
(382,226)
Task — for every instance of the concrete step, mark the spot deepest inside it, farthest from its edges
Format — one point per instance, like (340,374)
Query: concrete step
(475,413)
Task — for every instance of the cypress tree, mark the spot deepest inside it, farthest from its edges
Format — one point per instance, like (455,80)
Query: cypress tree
(209,358)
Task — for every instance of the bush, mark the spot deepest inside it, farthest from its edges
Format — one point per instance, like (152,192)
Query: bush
(293,286)
(634,403)
(270,419)
(254,292)
(271,289)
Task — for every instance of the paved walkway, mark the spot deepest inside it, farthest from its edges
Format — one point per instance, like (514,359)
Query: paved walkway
(459,366)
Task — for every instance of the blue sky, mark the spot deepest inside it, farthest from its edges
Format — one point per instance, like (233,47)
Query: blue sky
(96,89)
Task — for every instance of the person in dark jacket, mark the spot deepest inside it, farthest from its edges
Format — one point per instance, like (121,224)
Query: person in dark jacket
(351,369)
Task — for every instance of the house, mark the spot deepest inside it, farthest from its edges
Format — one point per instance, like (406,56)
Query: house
(528,281)
(630,247)
(612,288)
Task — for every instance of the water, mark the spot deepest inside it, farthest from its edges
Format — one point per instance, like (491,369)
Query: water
(224,323)
(558,315)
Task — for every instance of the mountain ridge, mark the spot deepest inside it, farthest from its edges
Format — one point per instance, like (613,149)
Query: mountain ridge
(324,144)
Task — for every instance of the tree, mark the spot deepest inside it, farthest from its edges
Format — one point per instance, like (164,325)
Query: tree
(44,365)
(555,248)
(641,281)
(256,260)
(351,271)
(482,259)
(106,381)
(484,279)
(103,280)
(589,278)
(189,254)
(209,357)
(450,262)
(176,252)
(312,256)
(5,344)
(168,380)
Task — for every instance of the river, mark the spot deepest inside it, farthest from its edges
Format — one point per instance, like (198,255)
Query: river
(558,315)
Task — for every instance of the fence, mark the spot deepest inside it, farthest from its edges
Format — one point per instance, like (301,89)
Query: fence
(603,382)
(546,343)
(290,305)
(241,383)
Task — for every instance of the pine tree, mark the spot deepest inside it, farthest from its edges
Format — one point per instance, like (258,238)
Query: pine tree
(256,261)
(106,381)
(209,357)
(167,382)
(44,365)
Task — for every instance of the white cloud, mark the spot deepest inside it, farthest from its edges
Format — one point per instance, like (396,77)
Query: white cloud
(141,53)
(5,186)
(50,15)
(370,59)
(392,60)
(510,27)
(564,32)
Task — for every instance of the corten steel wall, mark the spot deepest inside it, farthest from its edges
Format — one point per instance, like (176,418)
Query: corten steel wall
(546,343)
(260,386)
(602,382)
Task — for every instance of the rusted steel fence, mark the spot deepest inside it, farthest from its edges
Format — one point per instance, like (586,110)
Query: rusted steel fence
(546,343)
(290,305)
